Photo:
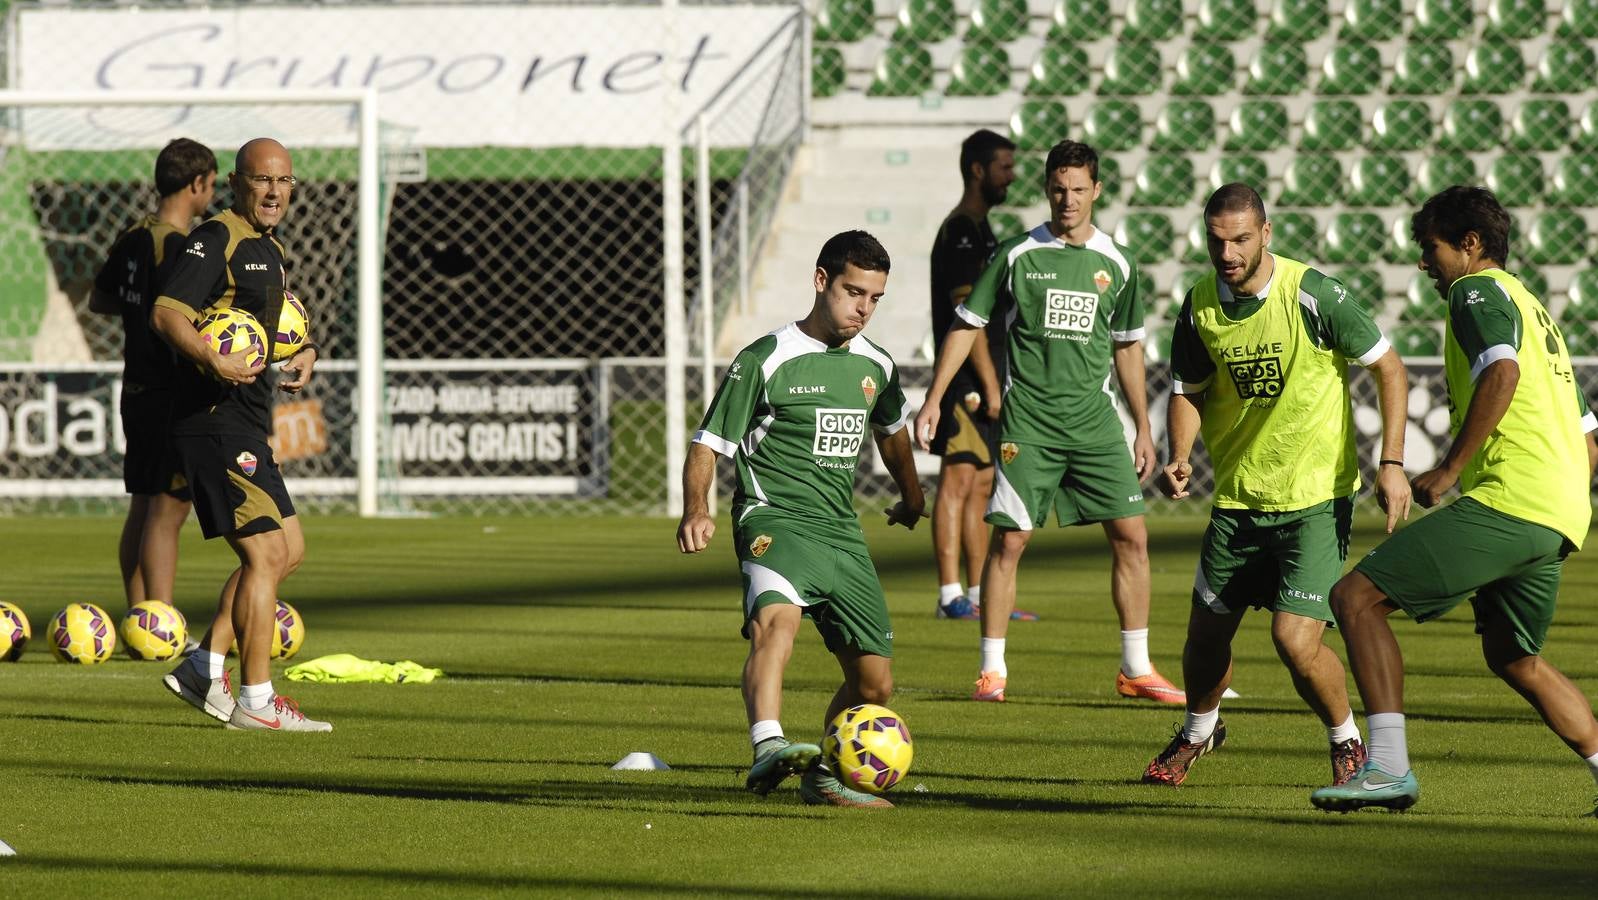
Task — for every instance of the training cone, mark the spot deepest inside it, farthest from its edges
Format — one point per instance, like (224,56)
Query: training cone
(5,849)
(640,761)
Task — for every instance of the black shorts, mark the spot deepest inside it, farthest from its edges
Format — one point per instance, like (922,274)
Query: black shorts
(150,465)
(238,488)
(964,436)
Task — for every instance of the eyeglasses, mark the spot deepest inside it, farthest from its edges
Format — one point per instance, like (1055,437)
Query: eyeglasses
(287,181)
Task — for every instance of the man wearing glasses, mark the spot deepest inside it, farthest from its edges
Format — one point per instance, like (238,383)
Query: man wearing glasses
(221,420)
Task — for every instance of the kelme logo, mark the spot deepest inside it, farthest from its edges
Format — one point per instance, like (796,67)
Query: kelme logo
(759,546)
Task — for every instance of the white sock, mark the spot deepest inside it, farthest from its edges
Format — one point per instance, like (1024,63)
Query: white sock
(948,593)
(1592,763)
(1199,726)
(207,663)
(993,656)
(1388,748)
(1135,653)
(764,730)
(974,594)
(1344,732)
(256,696)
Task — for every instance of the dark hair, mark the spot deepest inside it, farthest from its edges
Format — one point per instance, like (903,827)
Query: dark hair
(856,248)
(1233,198)
(1457,210)
(979,149)
(179,163)
(1072,155)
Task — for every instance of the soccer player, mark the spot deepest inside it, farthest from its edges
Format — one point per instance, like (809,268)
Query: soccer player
(1075,305)
(126,286)
(220,426)
(1260,361)
(1522,455)
(792,412)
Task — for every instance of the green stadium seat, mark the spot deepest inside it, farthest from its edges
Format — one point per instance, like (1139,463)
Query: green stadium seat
(1039,124)
(1581,298)
(1581,338)
(1080,20)
(903,70)
(1113,125)
(1566,67)
(1364,285)
(1132,69)
(1423,68)
(1226,20)
(1476,125)
(1059,70)
(1586,136)
(1312,179)
(1189,276)
(1557,237)
(1441,169)
(844,21)
(926,21)
(1441,19)
(1575,181)
(1422,303)
(1540,124)
(1157,342)
(827,72)
(1400,247)
(1535,281)
(1110,178)
(1516,179)
(1494,67)
(1152,20)
(1258,125)
(1147,234)
(1299,20)
(1354,237)
(1373,20)
(1184,125)
(1401,125)
(997,20)
(1027,188)
(981,69)
(1379,179)
(1516,19)
(1332,125)
(1164,179)
(1352,67)
(1579,19)
(1250,170)
(1295,234)
(1278,69)
(1205,70)
(1006,224)
(1195,247)
(1417,340)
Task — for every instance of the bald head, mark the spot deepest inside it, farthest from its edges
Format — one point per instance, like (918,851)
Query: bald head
(262,181)
(258,151)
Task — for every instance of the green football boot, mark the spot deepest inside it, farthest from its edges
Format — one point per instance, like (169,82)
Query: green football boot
(776,759)
(1370,786)
(819,786)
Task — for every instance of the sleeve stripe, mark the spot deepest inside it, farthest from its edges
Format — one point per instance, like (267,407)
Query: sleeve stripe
(1589,423)
(1376,352)
(1489,356)
(1188,387)
(905,414)
(1136,334)
(969,317)
(720,445)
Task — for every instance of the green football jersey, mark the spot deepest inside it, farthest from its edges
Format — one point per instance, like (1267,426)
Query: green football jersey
(1068,305)
(793,413)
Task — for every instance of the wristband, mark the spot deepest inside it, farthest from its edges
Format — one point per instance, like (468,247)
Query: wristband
(308,345)
(1391,462)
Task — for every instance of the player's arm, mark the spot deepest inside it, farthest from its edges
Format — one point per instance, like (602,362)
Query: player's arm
(697,527)
(982,364)
(967,257)
(1127,333)
(105,298)
(970,318)
(1589,425)
(197,275)
(735,405)
(1192,371)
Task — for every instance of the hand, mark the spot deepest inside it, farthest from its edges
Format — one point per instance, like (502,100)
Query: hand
(927,425)
(298,369)
(1429,487)
(235,368)
(902,513)
(994,401)
(1174,478)
(695,531)
(1393,494)
(1143,456)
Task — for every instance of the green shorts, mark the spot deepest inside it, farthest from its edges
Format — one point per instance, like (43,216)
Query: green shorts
(837,586)
(1096,484)
(1281,561)
(1510,565)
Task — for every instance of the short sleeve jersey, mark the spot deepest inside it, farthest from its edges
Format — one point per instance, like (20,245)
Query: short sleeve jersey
(959,253)
(132,275)
(1065,306)
(793,413)
(226,262)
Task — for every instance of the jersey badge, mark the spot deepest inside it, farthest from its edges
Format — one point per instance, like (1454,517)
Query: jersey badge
(246,461)
(759,546)
(868,386)
(1008,451)
(1101,280)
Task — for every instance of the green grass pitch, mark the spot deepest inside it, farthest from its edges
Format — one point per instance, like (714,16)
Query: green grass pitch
(569,643)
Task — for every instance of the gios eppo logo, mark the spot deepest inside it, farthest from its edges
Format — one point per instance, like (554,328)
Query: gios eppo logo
(839,432)
(1259,377)
(1069,311)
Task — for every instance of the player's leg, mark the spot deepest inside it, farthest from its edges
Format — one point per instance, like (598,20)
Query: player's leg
(974,531)
(1005,549)
(128,548)
(202,678)
(1319,679)
(949,522)
(158,550)
(1206,671)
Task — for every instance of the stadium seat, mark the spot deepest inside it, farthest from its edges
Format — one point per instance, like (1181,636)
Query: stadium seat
(1575,181)
(1039,124)
(844,21)
(1441,169)
(1581,338)
(926,21)
(1516,19)
(827,71)
(1472,125)
(1151,20)
(1204,69)
(1354,237)
(1312,179)
(1147,234)
(1164,179)
(1494,67)
(1400,247)
(1258,125)
(1250,170)
(1557,237)
(1184,125)
(1110,178)
(1535,281)
(1006,224)
(1364,285)
(1299,20)
(1441,19)
(1423,68)
(1226,20)
(1516,179)
(1027,188)
(1189,276)
(1417,339)
(1379,179)
(1581,298)
(1586,136)
(1080,20)
(1352,67)
(1401,125)
(1195,248)
(1279,68)
(1579,19)
(1059,70)
(1373,20)
(997,20)
(1113,125)
(1332,125)
(1540,124)
(1157,342)
(1295,234)
(1422,303)
(982,69)
(903,70)
(1566,67)
(1132,69)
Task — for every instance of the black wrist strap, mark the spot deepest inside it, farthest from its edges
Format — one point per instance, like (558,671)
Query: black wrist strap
(1392,462)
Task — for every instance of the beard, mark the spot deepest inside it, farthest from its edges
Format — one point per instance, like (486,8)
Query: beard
(994,194)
